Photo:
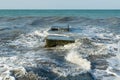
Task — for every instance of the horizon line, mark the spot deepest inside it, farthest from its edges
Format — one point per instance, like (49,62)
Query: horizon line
(55,9)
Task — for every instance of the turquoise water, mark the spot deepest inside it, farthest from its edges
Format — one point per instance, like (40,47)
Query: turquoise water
(83,13)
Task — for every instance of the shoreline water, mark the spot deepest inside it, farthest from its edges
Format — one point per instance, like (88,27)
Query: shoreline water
(22,51)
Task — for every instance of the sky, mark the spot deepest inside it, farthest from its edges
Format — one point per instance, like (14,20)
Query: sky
(59,4)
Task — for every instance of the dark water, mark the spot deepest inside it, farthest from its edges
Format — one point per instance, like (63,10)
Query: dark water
(22,41)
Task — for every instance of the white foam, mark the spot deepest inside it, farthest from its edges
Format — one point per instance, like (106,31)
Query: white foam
(8,77)
(73,71)
(31,40)
(105,74)
(5,74)
(77,64)
(75,58)
(114,65)
(95,49)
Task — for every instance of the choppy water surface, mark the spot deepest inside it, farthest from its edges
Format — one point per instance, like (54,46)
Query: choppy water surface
(95,52)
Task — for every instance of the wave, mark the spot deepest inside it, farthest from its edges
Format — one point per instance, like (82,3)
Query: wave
(75,58)
(30,40)
(26,49)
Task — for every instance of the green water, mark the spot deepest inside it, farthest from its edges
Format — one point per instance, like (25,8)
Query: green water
(81,13)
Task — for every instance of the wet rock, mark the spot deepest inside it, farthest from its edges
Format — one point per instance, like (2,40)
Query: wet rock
(60,27)
(52,41)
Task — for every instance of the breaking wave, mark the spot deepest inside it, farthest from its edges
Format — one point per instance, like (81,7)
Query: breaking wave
(75,58)
(95,50)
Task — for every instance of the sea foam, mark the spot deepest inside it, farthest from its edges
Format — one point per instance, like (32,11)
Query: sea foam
(30,40)
(75,58)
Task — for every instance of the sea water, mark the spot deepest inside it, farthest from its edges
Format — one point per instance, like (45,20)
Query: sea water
(47,13)
(22,41)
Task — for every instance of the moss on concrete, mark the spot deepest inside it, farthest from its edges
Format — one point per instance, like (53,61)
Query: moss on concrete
(53,43)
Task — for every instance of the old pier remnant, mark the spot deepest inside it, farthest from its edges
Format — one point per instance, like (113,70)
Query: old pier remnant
(59,40)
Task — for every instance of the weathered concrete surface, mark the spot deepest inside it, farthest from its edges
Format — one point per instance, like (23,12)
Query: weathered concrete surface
(52,41)
(60,27)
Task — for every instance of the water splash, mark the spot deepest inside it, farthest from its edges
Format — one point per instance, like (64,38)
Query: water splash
(30,40)
(75,58)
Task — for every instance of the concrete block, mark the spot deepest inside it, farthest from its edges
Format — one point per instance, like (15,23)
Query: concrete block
(52,40)
(60,27)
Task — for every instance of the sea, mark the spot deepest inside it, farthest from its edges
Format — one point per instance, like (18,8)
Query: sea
(95,55)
